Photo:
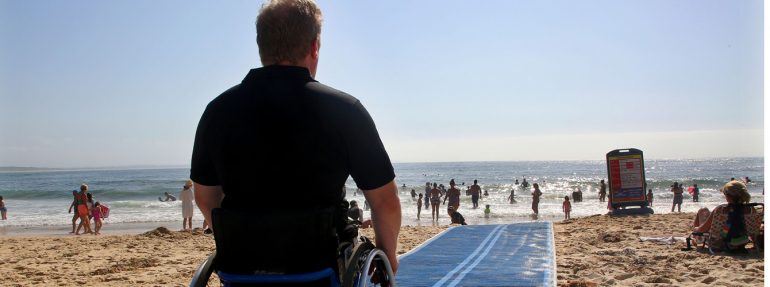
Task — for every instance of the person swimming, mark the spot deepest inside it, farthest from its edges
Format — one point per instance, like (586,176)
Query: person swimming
(169,197)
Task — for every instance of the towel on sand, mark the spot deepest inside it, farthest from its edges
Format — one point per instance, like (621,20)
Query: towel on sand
(662,239)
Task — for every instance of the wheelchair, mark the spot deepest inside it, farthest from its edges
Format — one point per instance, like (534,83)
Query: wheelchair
(279,245)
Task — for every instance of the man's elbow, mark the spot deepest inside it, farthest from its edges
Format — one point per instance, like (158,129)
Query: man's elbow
(387,204)
(384,198)
(392,204)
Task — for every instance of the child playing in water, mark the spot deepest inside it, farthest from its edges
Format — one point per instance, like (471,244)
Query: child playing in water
(3,210)
(487,211)
(649,197)
(419,205)
(567,207)
(511,197)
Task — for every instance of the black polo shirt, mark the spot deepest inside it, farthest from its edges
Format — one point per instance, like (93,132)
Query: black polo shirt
(281,139)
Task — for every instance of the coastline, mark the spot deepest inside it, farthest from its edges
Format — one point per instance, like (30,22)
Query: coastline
(121,228)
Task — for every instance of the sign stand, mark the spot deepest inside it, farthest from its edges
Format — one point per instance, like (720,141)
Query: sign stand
(625,170)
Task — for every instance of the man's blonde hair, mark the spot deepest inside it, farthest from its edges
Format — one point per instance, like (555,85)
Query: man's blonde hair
(286,29)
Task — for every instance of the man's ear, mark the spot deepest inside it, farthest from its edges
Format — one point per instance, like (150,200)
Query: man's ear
(315,47)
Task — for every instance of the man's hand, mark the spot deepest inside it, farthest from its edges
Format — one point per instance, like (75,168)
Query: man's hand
(208,198)
(386,219)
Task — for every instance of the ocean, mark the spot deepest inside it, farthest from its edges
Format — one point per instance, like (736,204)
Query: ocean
(41,198)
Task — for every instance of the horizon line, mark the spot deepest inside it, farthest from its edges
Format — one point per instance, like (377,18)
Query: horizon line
(15,168)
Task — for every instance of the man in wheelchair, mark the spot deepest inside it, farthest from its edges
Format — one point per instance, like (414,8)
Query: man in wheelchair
(280,125)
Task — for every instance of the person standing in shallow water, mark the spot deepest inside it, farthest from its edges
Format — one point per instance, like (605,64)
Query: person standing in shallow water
(676,188)
(453,194)
(649,197)
(566,206)
(435,201)
(475,193)
(419,206)
(536,193)
(695,193)
(602,191)
(3,210)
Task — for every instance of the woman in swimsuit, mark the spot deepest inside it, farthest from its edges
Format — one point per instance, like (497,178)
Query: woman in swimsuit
(677,190)
(435,201)
(3,210)
(536,197)
(82,209)
(90,206)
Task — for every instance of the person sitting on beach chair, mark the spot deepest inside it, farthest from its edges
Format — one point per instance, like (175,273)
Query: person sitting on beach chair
(729,227)
(700,218)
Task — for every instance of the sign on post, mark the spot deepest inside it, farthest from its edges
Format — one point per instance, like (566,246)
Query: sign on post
(625,168)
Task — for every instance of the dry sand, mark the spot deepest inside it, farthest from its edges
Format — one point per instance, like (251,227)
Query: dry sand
(606,251)
(156,258)
(596,250)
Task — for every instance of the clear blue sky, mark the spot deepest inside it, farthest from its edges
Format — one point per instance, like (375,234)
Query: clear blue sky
(110,83)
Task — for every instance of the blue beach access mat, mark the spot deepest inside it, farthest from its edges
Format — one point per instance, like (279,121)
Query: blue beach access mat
(520,254)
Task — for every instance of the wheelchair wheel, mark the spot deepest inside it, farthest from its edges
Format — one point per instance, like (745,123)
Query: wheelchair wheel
(367,266)
(203,274)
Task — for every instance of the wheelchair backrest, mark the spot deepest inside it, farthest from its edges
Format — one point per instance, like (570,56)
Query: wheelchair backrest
(290,241)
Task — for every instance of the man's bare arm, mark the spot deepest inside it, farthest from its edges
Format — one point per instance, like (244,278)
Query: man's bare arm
(208,198)
(386,219)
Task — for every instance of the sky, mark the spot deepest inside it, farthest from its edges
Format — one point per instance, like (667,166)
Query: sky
(118,83)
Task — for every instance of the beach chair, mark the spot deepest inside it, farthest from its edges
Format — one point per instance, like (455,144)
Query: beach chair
(292,249)
(753,219)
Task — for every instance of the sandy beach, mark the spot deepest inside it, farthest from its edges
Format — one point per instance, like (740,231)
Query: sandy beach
(603,250)
(159,257)
(596,250)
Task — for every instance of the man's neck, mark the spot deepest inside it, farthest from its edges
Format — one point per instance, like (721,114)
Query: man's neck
(307,63)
